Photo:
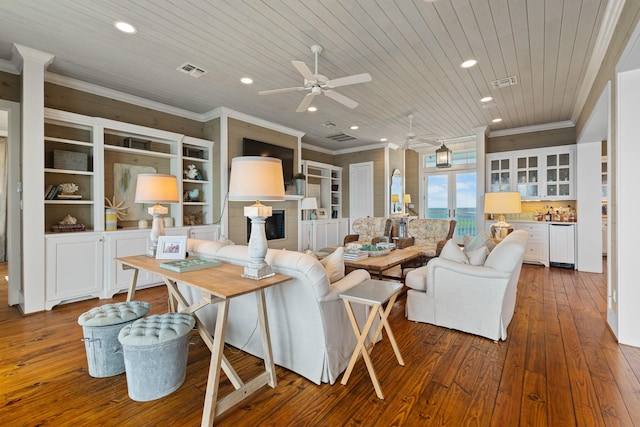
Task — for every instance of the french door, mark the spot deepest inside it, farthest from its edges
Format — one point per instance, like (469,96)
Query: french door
(452,195)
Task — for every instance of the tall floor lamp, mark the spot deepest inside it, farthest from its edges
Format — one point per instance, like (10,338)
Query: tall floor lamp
(256,178)
(156,188)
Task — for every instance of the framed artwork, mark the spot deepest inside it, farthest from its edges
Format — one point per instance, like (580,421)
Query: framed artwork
(322,213)
(125,178)
(172,247)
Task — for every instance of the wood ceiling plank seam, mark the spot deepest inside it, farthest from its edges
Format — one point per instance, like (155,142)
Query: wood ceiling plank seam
(253,52)
(552,28)
(513,109)
(471,94)
(535,14)
(488,52)
(583,48)
(438,46)
(520,29)
(404,36)
(390,74)
(568,33)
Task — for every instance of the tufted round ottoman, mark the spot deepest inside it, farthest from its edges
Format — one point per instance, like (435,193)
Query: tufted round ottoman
(100,328)
(155,354)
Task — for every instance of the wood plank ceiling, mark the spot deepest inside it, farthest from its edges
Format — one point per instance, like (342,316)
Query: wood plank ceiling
(412,49)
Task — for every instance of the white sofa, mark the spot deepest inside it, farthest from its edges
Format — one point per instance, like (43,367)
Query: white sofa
(478,299)
(310,331)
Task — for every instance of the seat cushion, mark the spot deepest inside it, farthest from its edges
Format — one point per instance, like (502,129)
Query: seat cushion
(417,279)
(114,314)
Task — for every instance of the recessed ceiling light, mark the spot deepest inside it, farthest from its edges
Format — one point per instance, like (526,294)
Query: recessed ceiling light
(469,63)
(383,139)
(312,109)
(354,127)
(497,120)
(486,99)
(125,27)
(246,80)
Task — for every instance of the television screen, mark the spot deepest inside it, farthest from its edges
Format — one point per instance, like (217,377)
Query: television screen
(252,147)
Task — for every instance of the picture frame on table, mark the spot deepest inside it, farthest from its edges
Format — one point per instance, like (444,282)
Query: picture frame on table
(322,213)
(172,247)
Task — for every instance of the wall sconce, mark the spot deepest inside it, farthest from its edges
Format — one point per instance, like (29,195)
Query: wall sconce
(156,188)
(256,178)
(443,157)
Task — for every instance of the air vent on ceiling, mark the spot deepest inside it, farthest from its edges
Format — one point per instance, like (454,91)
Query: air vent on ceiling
(328,124)
(341,137)
(504,82)
(192,70)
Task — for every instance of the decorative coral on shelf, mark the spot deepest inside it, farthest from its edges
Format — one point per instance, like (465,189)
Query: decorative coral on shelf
(121,211)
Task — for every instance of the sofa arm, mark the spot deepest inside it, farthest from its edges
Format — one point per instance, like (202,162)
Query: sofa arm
(440,245)
(350,238)
(347,282)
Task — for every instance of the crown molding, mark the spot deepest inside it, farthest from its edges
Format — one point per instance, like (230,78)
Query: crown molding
(261,122)
(318,149)
(119,96)
(360,148)
(8,66)
(534,128)
(609,21)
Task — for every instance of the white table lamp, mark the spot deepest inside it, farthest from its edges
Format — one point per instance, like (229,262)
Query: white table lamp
(309,204)
(256,178)
(156,188)
(502,202)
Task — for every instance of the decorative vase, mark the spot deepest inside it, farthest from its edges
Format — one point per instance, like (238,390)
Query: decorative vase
(111,220)
(300,187)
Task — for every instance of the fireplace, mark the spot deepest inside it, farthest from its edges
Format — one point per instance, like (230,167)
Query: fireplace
(274,226)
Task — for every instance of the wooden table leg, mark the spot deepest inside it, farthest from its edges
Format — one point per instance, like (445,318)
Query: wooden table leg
(266,338)
(213,380)
(132,285)
(361,347)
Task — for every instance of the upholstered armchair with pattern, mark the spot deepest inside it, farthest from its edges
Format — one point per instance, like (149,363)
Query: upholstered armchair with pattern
(368,230)
(429,236)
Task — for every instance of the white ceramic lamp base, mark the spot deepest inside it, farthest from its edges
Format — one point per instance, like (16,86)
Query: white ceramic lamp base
(257,268)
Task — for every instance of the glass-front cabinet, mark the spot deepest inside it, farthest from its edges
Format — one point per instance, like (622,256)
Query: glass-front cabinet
(527,176)
(499,174)
(541,174)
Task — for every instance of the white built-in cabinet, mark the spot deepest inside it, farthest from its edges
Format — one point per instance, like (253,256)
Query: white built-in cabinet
(324,182)
(85,151)
(540,174)
(322,233)
(73,267)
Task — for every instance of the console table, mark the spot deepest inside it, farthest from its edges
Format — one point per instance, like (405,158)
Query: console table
(218,285)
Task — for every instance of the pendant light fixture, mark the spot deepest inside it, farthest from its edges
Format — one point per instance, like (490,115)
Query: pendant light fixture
(443,157)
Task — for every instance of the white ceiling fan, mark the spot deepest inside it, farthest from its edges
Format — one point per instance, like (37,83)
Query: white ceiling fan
(410,138)
(318,83)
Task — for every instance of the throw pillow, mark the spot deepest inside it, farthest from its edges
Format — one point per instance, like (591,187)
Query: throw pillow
(452,252)
(334,264)
(483,239)
(477,256)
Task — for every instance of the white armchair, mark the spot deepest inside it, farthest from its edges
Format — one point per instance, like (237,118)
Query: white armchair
(478,299)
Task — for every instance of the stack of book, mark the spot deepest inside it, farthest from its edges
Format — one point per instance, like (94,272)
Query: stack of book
(65,228)
(355,255)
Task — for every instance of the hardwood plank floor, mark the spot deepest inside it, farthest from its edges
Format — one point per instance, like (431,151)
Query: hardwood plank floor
(560,366)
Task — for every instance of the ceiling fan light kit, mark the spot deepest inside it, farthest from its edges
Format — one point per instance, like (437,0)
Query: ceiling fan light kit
(319,84)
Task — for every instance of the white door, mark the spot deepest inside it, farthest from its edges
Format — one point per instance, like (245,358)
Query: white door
(360,190)
(452,195)
(11,111)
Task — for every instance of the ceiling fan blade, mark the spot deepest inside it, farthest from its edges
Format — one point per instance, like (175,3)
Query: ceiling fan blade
(304,70)
(349,80)
(341,98)
(286,89)
(306,101)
